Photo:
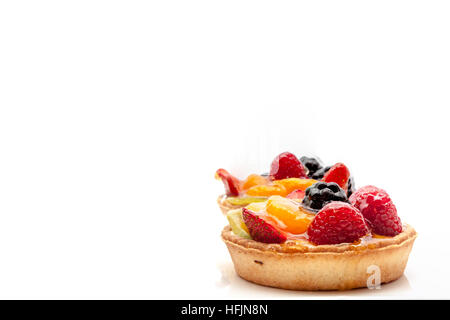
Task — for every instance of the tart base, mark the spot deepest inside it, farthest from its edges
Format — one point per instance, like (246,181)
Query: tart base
(339,267)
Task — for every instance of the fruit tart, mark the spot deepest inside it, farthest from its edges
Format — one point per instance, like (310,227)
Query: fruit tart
(327,237)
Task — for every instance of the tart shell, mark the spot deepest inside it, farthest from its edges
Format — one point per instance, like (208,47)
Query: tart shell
(225,206)
(297,266)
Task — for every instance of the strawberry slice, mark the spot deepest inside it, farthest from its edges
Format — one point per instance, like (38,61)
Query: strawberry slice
(339,174)
(261,230)
(231,183)
(296,194)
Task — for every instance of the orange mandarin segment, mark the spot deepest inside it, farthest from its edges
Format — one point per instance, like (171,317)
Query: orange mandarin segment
(291,184)
(295,221)
(267,190)
(254,180)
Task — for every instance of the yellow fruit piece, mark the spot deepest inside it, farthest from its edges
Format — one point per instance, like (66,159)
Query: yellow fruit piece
(295,220)
(257,206)
(237,224)
(243,201)
(267,190)
(291,184)
(254,180)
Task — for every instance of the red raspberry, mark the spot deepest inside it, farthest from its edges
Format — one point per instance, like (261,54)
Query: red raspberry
(286,165)
(378,209)
(337,222)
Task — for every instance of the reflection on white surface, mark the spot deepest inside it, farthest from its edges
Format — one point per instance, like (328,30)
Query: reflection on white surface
(239,288)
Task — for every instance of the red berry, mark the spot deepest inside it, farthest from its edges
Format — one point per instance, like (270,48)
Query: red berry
(286,165)
(231,183)
(338,173)
(378,209)
(296,194)
(260,230)
(337,222)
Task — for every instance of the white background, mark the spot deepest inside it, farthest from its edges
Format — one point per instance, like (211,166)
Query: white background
(114,116)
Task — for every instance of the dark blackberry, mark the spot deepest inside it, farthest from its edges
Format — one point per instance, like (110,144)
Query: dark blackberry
(312,164)
(321,193)
(350,186)
(320,173)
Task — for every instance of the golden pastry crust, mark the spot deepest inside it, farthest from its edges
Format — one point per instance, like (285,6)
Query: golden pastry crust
(304,266)
(224,205)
